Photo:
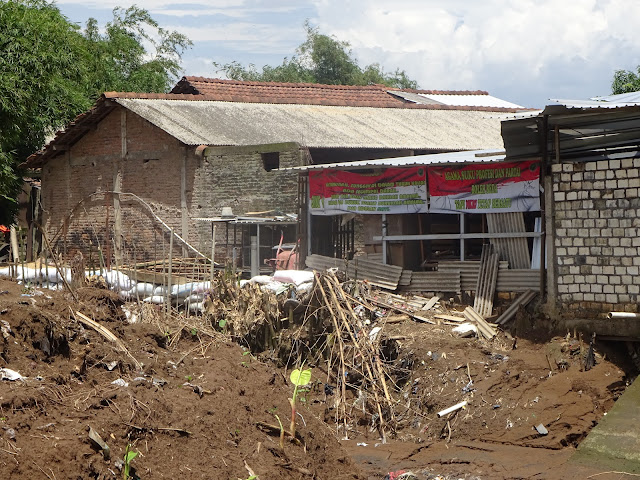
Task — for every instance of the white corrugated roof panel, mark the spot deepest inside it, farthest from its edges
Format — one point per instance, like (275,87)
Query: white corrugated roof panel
(631,97)
(474,156)
(470,100)
(319,126)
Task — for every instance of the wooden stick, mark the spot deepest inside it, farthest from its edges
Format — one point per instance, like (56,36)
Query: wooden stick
(106,333)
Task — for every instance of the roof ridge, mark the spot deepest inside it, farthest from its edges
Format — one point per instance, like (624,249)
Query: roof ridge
(373,86)
(286,101)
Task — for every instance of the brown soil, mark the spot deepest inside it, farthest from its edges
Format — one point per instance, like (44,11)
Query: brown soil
(197,408)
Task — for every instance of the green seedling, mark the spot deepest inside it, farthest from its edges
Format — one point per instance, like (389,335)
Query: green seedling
(189,378)
(281,431)
(194,332)
(129,455)
(244,354)
(299,377)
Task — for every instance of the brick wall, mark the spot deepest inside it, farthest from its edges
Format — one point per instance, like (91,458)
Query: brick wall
(235,177)
(77,216)
(597,234)
(72,182)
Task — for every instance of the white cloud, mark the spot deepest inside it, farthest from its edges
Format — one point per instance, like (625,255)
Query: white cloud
(458,44)
(241,36)
(524,51)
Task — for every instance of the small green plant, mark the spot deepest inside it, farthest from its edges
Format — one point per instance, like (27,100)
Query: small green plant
(281,431)
(189,378)
(129,455)
(222,324)
(299,377)
(194,332)
(251,357)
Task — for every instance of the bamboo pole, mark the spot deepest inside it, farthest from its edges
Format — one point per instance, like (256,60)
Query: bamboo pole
(362,354)
(341,345)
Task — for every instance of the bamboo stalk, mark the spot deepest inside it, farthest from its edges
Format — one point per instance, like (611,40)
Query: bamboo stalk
(341,345)
(364,361)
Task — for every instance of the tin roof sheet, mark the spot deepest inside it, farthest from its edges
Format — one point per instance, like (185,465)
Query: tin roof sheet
(495,155)
(470,100)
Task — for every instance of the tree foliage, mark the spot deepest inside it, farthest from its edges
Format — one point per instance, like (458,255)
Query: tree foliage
(320,59)
(120,60)
(51,71)
(625,81)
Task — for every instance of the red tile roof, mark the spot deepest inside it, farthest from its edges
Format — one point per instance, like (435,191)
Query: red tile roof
(301,93)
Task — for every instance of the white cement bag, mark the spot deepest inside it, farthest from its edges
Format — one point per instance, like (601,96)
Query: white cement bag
(43,275)
(195,298)
(196,307)
(117,280)
(190,288)
(304,288)
(142,289)
(161,290)
(261,279)
(155,299)
(297,277)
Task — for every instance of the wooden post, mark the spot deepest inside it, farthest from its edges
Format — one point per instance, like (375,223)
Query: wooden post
(213,249)
(169,273)
(183,203)
(117,188)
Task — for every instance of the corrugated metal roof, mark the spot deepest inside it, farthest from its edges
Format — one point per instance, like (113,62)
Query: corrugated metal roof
(431,159)
(319,126)
(470,100)
(631,97)
(559,105)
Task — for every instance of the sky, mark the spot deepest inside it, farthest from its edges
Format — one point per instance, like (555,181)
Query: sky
(523,51)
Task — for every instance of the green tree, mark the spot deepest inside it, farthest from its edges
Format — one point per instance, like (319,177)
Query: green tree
(625,81)
(320,59)
(51,71)
(120,62)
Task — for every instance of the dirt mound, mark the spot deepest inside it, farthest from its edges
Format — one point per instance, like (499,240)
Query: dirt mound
(201,406)
(194,411)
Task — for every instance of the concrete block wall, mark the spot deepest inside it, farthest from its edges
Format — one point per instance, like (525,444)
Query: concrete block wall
(596,208)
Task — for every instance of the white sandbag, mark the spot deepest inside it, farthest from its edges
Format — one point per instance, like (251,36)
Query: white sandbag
(196,307)
(26,274)
(297,277)
(156,299)
(43,274)
(195,298)
(161,290)
(261,280)
(275,287)
(5,272)
(304,288)
(190,288)
(117,280)
(142,289)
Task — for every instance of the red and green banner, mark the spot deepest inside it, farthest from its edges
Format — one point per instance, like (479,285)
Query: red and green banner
(393,190)
(485,188)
